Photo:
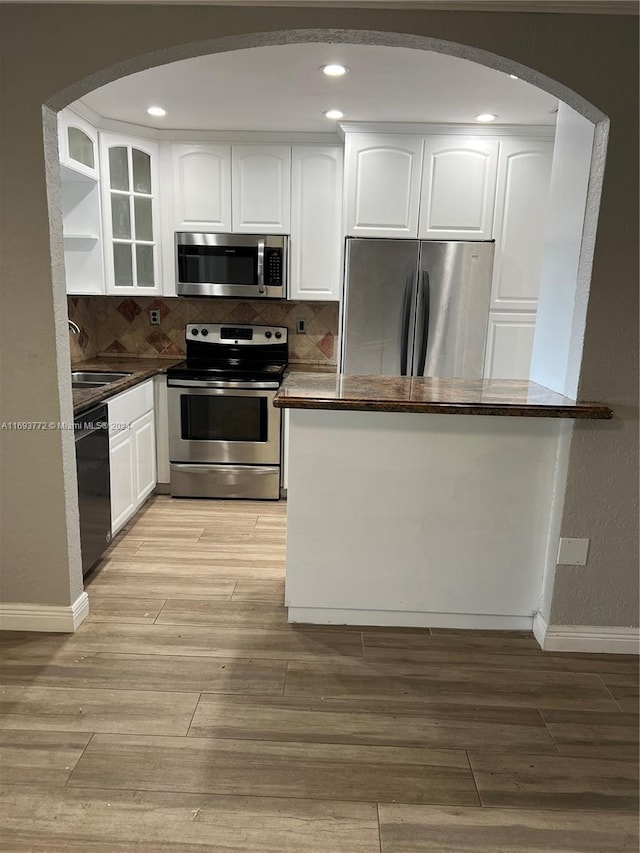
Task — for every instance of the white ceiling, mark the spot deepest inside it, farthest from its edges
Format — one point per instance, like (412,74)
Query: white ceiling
(281,88)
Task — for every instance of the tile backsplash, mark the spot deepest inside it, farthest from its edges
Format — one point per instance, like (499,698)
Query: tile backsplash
(114,326)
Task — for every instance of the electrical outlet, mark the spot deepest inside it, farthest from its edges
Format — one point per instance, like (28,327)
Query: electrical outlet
(301,326)
(154,316)
(573,552)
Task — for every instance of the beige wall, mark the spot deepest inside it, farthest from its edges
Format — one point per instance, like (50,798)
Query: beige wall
(46,49)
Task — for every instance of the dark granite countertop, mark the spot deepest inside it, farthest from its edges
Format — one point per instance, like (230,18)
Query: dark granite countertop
(430,395)
(311,367)
(139,369)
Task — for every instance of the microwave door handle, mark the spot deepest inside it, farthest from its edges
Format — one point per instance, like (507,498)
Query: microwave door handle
(261,288)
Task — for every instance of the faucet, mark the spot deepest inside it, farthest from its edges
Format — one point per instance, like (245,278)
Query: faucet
(75,328)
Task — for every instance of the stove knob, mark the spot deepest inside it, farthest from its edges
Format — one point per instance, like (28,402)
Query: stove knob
(204,333)
(267,334)
(278,335)
(194,331)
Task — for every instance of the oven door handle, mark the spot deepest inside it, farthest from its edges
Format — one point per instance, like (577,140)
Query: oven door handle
(223,383)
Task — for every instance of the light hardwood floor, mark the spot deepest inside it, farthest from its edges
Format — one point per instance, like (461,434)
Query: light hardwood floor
(187,715)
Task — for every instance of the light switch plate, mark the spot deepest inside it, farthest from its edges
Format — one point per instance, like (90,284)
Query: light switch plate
(573,552)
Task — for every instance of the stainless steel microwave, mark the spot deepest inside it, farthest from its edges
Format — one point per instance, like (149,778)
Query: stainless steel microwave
(246,266)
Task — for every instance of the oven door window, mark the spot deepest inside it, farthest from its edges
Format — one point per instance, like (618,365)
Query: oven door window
(218,265)
(224,418)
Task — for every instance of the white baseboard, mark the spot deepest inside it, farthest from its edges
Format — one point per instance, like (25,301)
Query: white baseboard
(586,638)
(402,619)
(42,617)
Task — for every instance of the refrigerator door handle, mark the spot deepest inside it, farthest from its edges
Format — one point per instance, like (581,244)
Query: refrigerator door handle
(404,329)
(424,296)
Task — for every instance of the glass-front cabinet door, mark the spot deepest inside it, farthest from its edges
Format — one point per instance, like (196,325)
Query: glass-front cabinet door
(77,146)
(130,212)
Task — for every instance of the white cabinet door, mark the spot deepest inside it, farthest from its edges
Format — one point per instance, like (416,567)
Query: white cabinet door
(382,184)
(77,146)
(509,345)
(524,173)
(132,451)
(121,466)
(316,205)
(131,216)
(202,187)
(143,433)
(261,189)
(458,188)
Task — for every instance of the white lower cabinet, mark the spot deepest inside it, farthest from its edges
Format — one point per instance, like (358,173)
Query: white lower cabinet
(509,345)
(132,452)
(121,465)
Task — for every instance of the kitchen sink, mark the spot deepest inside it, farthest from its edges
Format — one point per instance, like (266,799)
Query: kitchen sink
(94,378)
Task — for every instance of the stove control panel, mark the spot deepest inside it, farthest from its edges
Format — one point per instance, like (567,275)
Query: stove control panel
(236,334)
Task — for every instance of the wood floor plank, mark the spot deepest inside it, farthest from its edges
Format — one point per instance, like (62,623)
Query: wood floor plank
(118,608)
(448,684)
(483,652)
(133,583)
(409,724)
(594,733)
(435,829)
(259,538)
(196,571)
(212,641)
(554,782)
(236,614)
(127,545)
(39,757)
(61,668)
(108,821)
(65,709)
(624,689)
(259,590)
(174,533)
(256,768)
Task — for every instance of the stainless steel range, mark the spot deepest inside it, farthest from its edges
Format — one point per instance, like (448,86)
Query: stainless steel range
(224,432)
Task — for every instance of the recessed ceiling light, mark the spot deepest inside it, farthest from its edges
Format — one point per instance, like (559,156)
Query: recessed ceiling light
(334,114)
(486,117)
(157,111)
(334,70)
(513,77)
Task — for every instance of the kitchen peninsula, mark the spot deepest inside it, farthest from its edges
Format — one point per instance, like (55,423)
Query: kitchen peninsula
(403,513)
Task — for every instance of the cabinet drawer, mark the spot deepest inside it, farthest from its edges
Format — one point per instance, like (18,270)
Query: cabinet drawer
(130,405)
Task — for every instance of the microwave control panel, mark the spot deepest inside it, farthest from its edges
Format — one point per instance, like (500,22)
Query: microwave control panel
(273,267)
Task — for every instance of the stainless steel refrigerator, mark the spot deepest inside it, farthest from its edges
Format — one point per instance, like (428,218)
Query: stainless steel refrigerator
(416,308)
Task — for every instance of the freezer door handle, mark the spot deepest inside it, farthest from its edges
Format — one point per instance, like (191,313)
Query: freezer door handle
(404,330)
(424,309)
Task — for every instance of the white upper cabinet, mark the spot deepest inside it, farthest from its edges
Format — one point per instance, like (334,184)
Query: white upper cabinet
(316,233)
(524,174)
(382,184)
(130,214)
(77,145)
(458,188)
(261,189)
(80,202)
(202,187)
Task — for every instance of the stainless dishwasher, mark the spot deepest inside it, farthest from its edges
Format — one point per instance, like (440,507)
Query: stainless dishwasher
(94,490)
